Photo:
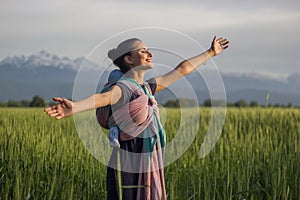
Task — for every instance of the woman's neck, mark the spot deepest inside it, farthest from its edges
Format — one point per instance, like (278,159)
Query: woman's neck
(137,75)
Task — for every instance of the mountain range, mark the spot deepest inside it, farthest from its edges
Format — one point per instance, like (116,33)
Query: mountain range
(48,75)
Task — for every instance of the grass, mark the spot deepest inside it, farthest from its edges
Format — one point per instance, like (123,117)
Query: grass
(256,157)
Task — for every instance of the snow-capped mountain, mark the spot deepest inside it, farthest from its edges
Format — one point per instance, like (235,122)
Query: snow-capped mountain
(45,59)
(48,75)
(44,74)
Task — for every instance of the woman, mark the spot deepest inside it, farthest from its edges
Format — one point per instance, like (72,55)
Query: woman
(134,59)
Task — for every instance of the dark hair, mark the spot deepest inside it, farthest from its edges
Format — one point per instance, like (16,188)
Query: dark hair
(124,49)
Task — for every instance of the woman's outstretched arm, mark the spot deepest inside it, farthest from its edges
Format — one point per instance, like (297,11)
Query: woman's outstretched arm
(66,108)
(189,65)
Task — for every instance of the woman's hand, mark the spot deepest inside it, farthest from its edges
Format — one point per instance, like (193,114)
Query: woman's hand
(187,66)
(61,110)
(218,45)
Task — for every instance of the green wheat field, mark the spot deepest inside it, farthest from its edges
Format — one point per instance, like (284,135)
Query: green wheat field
(256,157)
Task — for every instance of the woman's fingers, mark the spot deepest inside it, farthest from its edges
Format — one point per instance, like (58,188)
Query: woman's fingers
(223,42)
(215,38)
(53,114)
(58,99)
(225,47)
(59,117)
(47,109)
(53,111)
(219,39)
(50,109)
(57,110)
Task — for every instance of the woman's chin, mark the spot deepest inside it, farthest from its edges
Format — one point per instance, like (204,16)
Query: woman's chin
(149,65)
(146,66)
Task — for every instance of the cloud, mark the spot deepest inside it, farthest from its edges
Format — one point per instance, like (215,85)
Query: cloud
(262,33)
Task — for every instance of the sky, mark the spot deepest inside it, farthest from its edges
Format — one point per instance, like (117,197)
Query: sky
(264,35)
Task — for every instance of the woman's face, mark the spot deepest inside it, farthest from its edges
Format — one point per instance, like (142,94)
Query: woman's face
(140,56)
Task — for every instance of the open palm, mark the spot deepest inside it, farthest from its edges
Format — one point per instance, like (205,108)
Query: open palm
(61,110)
(218,45)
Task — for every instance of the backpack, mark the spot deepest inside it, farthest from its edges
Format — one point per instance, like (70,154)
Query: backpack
(104,113)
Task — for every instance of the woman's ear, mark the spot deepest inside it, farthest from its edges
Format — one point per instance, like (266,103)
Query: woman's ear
(128,60)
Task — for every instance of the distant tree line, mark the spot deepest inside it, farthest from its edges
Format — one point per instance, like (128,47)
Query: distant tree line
(182,102)
(38,101)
